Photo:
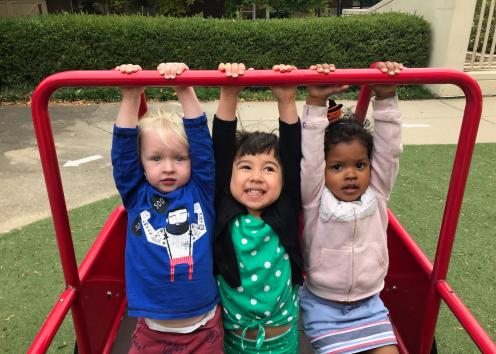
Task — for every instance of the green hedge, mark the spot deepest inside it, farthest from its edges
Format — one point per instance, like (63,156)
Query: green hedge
(33,48)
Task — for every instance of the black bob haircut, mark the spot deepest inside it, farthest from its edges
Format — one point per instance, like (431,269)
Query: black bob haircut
(254,143)
(346,130)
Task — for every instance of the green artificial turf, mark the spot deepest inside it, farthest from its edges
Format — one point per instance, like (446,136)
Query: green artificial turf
(31,277)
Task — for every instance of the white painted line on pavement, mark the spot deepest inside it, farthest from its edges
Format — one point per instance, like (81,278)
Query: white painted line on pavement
(75,163)
(406,125)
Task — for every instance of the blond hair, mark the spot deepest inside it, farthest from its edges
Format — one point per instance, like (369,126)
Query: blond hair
(163,123)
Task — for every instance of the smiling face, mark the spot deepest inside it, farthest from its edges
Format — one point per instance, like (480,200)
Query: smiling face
(256,181)
(347,173)
(167,166)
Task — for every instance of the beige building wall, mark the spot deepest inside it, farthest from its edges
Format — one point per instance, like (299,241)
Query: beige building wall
(23,8)
(451,23)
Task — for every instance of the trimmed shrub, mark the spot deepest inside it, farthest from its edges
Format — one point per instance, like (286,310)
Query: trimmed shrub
(33,48)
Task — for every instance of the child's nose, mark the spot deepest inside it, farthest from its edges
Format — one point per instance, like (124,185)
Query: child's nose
(350,173)
(256,175)
(167,165)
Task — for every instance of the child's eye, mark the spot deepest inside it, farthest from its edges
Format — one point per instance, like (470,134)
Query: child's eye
(155,158)
(336,167)
(244,167)
(181,158)
(269,169)
(361,165)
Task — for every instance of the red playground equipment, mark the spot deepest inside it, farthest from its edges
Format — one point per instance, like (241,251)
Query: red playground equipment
(415,287)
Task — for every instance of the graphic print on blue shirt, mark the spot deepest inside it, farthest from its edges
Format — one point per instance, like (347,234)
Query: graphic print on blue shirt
(178,236)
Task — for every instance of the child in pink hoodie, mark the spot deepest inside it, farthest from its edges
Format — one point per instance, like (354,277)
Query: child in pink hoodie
(346,179)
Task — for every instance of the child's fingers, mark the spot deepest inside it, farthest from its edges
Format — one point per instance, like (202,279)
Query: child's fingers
(381,66)
(241,69)
(173,70)
(234,69)
(181,68)
(397,67)
(283,68)
(128,68)
(390,68)
(289,68)
(228,70)
(161,68)
(328,68)
(170,70)
(323,68)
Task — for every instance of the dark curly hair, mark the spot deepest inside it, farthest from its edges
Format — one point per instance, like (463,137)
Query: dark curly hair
(253,143)
(346,130)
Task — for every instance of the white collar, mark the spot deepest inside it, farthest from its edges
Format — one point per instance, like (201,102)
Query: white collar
(337,210)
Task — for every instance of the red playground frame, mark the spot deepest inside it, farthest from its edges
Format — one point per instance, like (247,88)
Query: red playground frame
(95,293)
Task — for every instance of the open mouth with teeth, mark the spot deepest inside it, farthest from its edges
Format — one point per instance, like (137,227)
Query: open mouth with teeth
(254,193)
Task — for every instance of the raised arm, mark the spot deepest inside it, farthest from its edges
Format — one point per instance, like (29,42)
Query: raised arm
(127,116)
(186,94)
(387,132)
(224,128)
(286,96)
(314,123)
(195,125)
(289,135)
(127,169)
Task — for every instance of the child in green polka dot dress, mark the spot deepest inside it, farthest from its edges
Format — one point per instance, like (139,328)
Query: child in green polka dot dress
(256,248)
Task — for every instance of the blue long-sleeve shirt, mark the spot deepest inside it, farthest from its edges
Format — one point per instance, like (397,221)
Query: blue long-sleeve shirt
(169,267)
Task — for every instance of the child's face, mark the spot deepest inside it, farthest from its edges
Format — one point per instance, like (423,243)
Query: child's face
(256,181)
(167,167)
(347,173)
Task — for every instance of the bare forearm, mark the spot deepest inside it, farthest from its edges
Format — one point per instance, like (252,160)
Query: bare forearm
(189,102)
(227,105)
(287,111)
(127,116)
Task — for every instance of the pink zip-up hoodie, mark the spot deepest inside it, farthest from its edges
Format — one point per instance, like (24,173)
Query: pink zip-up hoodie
(345,250)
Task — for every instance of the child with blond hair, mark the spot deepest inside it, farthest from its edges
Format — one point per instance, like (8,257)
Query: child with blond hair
(164,171)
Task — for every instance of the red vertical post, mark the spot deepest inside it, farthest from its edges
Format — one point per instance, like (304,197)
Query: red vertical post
(363,101)
(459,175)
(49,162)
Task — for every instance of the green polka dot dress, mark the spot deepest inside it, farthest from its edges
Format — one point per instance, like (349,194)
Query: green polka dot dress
(266,296)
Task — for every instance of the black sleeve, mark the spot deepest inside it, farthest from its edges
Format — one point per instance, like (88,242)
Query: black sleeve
(224,138)
(290,150)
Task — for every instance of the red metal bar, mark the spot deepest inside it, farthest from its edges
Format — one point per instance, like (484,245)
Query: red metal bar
(362,105)
(412,76)
(467,320)
(51,172)
(53,322)
(364,96)
(454,198)
(260,78)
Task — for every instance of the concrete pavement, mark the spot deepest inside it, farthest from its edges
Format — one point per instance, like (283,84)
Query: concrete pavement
(83,134)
